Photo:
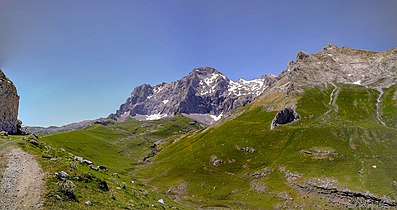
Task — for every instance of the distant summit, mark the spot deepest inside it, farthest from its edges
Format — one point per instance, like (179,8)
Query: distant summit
(205,94)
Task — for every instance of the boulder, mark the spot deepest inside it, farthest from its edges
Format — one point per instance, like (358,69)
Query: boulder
(88,162)
(80,159)
(94,168)
(35,143)
(103,168)
(287,115)
(62,175)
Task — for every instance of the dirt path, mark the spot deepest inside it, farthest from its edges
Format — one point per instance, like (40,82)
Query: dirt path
(378,108)
(22,182)
(334,95)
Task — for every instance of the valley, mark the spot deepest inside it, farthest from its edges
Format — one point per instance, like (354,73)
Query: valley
(321,135)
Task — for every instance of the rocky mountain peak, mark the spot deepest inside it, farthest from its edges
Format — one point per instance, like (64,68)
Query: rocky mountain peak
(205,94)
(9,102)
(343,65)
(205,71)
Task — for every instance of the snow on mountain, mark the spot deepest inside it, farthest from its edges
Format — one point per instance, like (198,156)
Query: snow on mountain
(204,93)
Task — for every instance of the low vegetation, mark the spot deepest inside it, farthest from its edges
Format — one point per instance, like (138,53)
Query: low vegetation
(344,148)
(337,155)
(120,147)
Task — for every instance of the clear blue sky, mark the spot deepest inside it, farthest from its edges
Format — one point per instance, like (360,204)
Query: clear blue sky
(73,60)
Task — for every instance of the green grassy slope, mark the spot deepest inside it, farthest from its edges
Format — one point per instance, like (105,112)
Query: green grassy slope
(341,144)
(389,106)
(120,147)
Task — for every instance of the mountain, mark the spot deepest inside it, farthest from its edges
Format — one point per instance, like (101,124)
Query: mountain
(69,127)
(9,102)
(322,136)
(204,94)
(343,65)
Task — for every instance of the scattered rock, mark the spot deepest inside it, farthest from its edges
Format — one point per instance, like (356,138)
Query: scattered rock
(94,168)
(215,161)
(161,201)
(35,143)
(103,168)
(246,149)
(88,162)
(326,153)
(180,189)
(103,185)
(80,159)
(62,175)
(68,188)
(258,186)
(260,174)
(88,203)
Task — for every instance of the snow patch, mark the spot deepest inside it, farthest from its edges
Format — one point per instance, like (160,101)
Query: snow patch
(246,87)
(155,116)
(357,82)
(211,79)
(158,89)
(216,118)
(165,101)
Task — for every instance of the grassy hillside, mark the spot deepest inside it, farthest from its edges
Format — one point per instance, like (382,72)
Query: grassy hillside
(120,147)
(337,145)
(338,155)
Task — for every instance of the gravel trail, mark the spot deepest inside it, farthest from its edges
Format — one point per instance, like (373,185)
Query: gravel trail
(22,182)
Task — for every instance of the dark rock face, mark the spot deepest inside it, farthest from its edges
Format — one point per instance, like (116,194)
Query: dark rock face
(203,91)
(287,115)
(9,102)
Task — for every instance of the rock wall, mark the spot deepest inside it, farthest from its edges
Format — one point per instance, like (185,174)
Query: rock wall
(9,103)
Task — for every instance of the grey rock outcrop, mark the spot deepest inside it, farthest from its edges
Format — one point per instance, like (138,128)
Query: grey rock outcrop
(329,67)
(9,103)
(343,65)
(287,115)
(204,91)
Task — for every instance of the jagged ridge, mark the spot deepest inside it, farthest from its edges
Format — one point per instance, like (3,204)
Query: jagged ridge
(202,93)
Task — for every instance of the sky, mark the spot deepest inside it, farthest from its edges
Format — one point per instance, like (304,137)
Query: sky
(74,60)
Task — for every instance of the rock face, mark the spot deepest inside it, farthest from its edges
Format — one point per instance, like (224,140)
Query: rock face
(329,67)
(9,103)
(343,65)
(287,115)
(203,93)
